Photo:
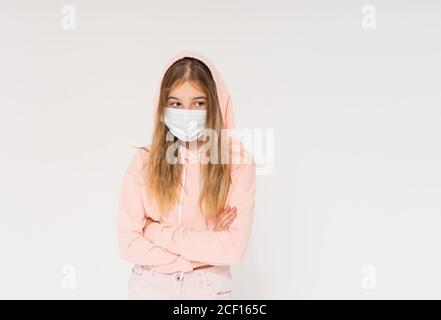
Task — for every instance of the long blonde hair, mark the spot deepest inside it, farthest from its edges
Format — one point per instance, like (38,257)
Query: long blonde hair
(163,178)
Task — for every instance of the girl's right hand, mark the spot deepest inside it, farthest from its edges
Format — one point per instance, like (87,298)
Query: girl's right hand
(226,218)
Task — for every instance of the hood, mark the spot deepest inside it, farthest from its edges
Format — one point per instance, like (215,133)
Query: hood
(225,103)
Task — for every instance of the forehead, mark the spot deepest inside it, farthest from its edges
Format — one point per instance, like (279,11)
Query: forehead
(186,90)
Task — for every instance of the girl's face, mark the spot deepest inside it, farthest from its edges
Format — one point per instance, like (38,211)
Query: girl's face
(187,96)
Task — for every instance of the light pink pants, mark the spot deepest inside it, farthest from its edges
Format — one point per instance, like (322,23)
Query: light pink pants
(201,284)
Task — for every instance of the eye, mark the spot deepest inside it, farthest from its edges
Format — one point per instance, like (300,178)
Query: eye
(200,104)
(175,104)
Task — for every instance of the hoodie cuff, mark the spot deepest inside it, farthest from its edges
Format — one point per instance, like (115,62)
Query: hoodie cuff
(152,231)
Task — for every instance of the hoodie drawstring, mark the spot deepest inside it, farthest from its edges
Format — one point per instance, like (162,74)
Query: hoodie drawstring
(182,188)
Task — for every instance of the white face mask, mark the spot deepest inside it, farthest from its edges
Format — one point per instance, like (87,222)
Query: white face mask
(185,124)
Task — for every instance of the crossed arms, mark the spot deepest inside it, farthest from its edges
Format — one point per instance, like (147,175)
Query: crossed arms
(180,248)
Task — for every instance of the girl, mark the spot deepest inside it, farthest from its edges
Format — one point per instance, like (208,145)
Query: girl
(186,204)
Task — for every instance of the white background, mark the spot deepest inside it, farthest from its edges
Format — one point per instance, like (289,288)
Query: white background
(356,181)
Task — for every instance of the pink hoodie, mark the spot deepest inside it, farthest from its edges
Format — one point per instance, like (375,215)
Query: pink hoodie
(182,241)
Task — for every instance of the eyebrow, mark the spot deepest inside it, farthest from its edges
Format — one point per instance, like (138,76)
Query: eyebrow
(200,97)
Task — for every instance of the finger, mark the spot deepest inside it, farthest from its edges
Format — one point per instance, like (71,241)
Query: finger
(231,220)
(226,224)
(220,225)
(225,211)
(224,216)
(221,221)
(232,216)
(227,220)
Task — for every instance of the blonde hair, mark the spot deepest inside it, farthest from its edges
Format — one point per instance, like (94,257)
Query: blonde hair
(163,178)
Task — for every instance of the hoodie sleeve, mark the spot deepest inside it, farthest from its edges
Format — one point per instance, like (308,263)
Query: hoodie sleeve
(130,226)
(224,247)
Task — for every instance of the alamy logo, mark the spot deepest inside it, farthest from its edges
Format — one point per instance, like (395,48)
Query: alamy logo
(368,21)
(68,19)
(69,278)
